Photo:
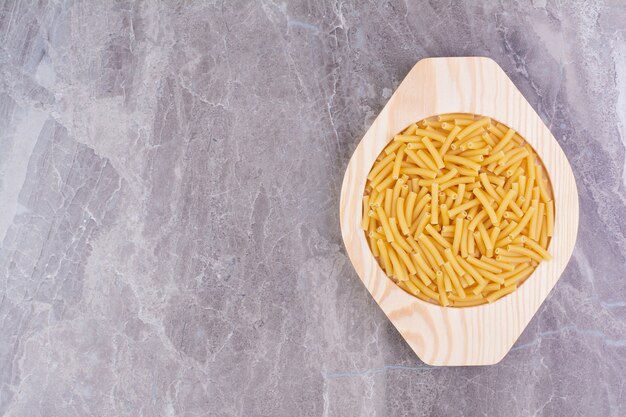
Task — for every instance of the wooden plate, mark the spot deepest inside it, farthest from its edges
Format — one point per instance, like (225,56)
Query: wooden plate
(479,335)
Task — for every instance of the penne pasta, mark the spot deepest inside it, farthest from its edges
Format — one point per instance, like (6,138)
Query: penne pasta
(458,210)
(434,205)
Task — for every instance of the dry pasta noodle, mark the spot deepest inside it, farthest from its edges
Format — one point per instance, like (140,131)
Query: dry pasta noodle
(458,210)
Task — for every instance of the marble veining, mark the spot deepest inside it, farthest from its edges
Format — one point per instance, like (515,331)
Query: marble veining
(169,191)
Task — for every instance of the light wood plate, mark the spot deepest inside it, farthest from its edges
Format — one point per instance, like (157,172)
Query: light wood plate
(479,335)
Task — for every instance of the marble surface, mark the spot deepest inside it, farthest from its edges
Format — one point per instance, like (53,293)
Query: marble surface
(169,186)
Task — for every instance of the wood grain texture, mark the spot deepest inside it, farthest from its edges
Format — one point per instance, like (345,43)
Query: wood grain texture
(479,335)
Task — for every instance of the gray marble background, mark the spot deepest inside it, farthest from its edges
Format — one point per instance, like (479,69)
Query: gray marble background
(169,189)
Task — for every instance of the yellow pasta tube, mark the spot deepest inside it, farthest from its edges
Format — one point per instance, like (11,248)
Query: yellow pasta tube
(464,121)
(457,181)
(394,196)
(493,237)
(472,297)
(411,129)
(478,151)
(415,145)
(533,220)
(423,221)
(421,204)
(404,191)
(412,243)
(397,236)
(458,288)
(495,157)
(425,290)
(400,215)
(423,265)
(479,243)
(486,205)
(382,248)
(540,215)
(412,155)
(537,248)
(409,206)
(525,251)
(522,185)
(513,259)
(392,147)
(449,139)
(495,278)
(543,192)
(373,196)
(380,165)
(459,224)
(549,218)
(372,239)
(434,205)
(483,265)
(445,218)
(452,116)
(395,173)
(404,258)
(518,276)
(432,123)
(374,234)
(496,131)
(440,180)
(460,195)
(402,138)
(530,183)
(492,286)
(504,204)
(464,246)
(385,184)
(433,152)
(365,222)
(437,236)
(427,160)
(398,271)
(488,187)
(465,206)
(453,262)
(447,284)
(430,246)
(513,152)
(485,238)
(543,237)
(431,134)
(502,265)
(425,252)
(505,139)
(384,221)
(500,293)
(477,219)
(465,303)
(462,161)
(468,172)
(422,172)
(473,126)
(388,202)
(470,243)
(443,297)
(471,271)
(379,199)
(382,174)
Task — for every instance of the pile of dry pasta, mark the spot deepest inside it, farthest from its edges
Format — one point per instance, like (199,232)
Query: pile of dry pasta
(458,210)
